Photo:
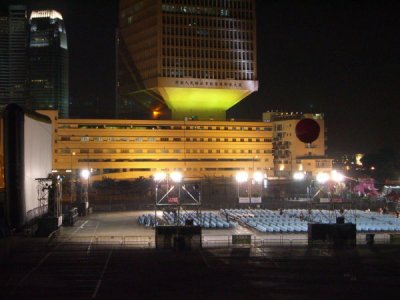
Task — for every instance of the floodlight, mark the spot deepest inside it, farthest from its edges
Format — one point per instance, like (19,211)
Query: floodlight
(336,176)
(242,176)
(159,176)
(322,177)
(298,176)
(85,174)
(176,176)
(258,177)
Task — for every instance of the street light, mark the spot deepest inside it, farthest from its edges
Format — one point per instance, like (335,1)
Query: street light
(85,174)
(72,175)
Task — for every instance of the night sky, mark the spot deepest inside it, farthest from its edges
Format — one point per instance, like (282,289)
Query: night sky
(340,58)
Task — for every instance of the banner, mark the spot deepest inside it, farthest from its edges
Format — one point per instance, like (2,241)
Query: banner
(173,200)
(255,199)
(244,200)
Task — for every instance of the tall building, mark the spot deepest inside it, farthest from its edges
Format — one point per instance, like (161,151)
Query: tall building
(196,57)
(48,62)
(13,55)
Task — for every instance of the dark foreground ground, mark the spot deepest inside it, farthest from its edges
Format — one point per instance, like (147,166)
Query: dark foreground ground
(88,261)
(33,269)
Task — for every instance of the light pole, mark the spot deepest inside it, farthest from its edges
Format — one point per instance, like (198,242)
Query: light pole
(177,178)
(241,177)
(72,175)
(258,178)
(85,174)
(158,177)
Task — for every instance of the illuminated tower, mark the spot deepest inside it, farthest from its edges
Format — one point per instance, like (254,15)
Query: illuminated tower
(13,61)
(48,62)
(198,57)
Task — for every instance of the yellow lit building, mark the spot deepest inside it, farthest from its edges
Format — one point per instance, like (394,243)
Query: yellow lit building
(290,153)
(196,57)
(127,149)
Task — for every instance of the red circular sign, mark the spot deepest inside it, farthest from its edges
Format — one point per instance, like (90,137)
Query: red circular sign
(307,130)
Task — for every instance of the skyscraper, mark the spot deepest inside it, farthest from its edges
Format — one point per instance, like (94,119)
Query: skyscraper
(48,62)
(198,57)
(13,55)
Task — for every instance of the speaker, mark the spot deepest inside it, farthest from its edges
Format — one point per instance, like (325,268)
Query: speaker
(340,220)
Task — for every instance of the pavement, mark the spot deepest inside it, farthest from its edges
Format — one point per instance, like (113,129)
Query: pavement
(78,264)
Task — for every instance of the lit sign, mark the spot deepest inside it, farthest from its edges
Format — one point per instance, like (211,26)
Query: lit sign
(201,83)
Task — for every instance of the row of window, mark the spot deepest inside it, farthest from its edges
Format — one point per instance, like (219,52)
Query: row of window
(161,139)
(188,64)
(206,49)
(215,58)
(109,171)
(163,127)
(164,151)
(210,32)
(242,75)
(191,6)
(219,12)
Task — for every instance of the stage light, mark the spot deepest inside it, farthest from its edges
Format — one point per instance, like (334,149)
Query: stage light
(298,176)
(242,176)
(176,176)
(160,176)
(258,177)
(322,177)
(85,174)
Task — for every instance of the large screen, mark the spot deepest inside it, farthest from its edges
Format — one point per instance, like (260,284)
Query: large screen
(37,162)
(27,144)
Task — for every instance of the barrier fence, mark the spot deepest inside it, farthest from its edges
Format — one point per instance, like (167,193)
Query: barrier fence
(215,241)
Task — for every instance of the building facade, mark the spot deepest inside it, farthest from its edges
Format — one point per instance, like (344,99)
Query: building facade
(290,153)
(48,62)
(196,57)
(128,149)
(13,55)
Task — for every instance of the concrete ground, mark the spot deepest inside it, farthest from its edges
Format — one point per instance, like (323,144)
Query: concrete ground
(75,265)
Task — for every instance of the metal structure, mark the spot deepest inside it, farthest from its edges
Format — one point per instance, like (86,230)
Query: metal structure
(49,191)
(177,194)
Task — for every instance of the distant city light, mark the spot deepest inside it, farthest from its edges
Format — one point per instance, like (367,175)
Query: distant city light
(156,114)
(358,159)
